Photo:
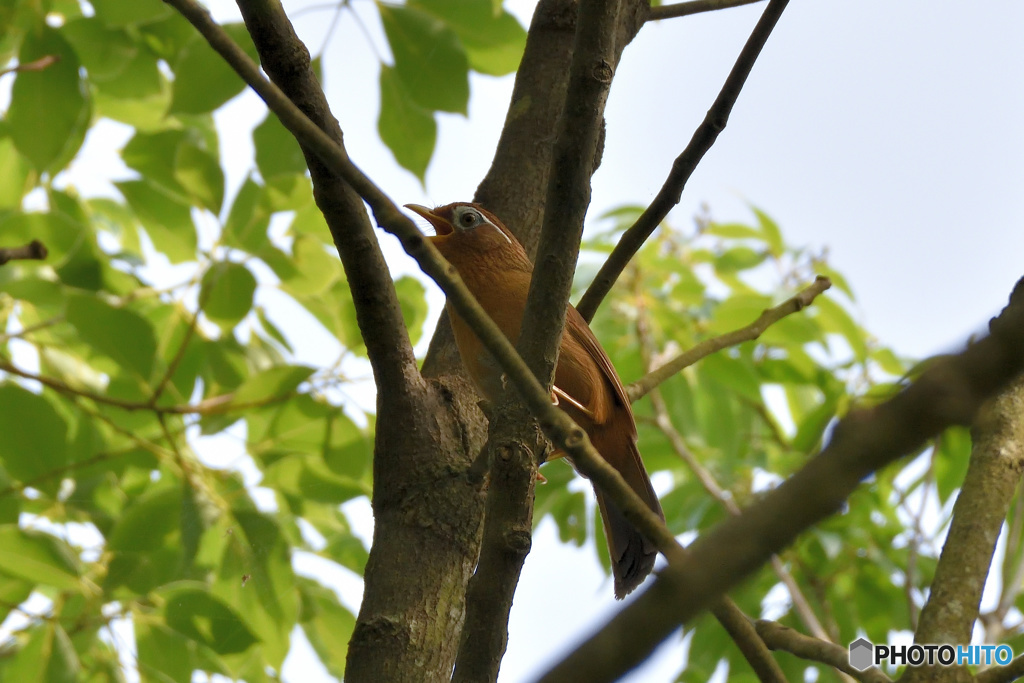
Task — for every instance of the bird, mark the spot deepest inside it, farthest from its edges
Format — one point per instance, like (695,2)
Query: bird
(497,270)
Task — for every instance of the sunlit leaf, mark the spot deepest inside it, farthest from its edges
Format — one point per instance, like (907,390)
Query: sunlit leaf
(121,334)
(227,293)
(429,59)
(49,110)
(405,127)
(203,80)
(205,619)
(39,558)
(492,37)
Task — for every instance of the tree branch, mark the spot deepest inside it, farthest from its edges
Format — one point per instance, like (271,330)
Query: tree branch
(508,522)
(685,9)
(33,251)
(803,299)
(950,392)
(557,426)
(1002,674)
(703,138)
(993,473)
(779,637)
(378,312)
(707,480)
(590,77)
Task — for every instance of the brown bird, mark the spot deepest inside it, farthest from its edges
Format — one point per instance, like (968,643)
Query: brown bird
(497,271)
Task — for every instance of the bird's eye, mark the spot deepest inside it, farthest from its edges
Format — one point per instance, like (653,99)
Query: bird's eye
(468,218)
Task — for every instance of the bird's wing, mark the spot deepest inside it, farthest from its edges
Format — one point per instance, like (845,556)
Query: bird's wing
(580,332)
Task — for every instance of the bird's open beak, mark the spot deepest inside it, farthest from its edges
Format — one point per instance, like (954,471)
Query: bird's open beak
(441,226)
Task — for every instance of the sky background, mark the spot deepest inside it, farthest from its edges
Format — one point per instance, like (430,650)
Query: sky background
(887,131)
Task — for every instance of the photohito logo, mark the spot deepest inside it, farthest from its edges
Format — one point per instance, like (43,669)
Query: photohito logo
(864,653)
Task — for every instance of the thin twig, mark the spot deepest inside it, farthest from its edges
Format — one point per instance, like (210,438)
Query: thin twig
(684,9)
(43,62)
(215,405)
(804,298)
(664,423)
(779,637)
(949,392)
(726,611)
(33,251)
(703,138)
(25,331)
(1002,674)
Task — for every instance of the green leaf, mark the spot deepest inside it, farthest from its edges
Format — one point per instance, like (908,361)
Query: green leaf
(149,523)
(277,152)
(272,383)
(34,439)
(951,460)
(836,320)
(492,38)
(121,334)
(199,172)
(327,625)
(39,558)
(104,51)
(167,220)
(736,374)
(207,620)
(267,600)
(770,229)
(429,59)
(738,311)
(733,231)
(408,129)
(227,293)
(739,258)
(203,81)
(126,12)
(47,657)
(16,175)
(164,654)
(315,268)
(412,296)
(49,111)
(247,222)
(272,329)
(812,428)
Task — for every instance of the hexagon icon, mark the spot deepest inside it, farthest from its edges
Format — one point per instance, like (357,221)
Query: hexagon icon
(862,654)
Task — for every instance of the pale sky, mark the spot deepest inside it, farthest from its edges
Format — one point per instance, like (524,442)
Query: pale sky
(888,131)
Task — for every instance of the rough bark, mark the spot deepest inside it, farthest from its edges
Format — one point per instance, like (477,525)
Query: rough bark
(427,513)
(997,460)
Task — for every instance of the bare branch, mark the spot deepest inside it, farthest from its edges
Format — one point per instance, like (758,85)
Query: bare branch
(33,251)
(43,62)
(378,312)
(1002,674)
(804,298)
(703,138)
(685,9)
(779,637)
(950,392)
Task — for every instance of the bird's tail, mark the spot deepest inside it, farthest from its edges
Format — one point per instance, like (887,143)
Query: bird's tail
(632,553)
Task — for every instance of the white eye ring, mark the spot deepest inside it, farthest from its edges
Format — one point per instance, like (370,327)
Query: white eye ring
(476,219)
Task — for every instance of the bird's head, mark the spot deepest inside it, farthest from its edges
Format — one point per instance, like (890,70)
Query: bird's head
(464,222)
